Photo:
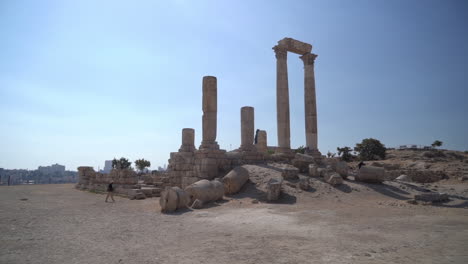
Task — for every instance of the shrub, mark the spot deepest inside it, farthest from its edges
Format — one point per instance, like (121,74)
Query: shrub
(121,163)
(300,149)
(345,153)
(370,149)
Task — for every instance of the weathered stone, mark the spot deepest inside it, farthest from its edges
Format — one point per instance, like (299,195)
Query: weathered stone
(205,191)
(313,170)
(341,168)
(295,46)
(370,174)
(208,168)
(333,178)
(432,197)
(173,198)
(210,109)
(289,173)
(282,100)
(262,141)
(303,183)
(247,128)
(197,204)
(310,103)
(188,140)
(273,189)
(235,179)
(302,162)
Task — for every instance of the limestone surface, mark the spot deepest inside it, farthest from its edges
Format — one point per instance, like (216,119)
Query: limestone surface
(370,174)
(235,179)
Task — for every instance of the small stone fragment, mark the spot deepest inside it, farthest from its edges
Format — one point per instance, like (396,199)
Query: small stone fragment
(333,178)
(432,197)
(197,204)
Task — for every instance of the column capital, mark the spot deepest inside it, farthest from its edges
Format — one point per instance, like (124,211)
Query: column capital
(308,58)
(280,52)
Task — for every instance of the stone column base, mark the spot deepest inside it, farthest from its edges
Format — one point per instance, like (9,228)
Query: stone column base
(314,153)
(209,145)
(280,150)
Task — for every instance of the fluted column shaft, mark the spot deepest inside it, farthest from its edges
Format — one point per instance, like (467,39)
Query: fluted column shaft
(310,102)
(210,110)
(282,100)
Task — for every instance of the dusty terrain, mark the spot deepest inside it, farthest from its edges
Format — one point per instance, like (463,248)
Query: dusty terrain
(353,223)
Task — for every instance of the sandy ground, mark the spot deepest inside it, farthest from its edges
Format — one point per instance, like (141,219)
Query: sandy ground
(355,223)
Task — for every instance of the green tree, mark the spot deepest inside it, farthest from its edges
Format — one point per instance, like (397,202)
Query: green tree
(436,144)
(300,149)
(120,164)
(141,164)
(330,155)
(370,149)
(345,153)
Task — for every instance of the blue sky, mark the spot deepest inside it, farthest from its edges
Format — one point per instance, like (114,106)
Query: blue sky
(86,81)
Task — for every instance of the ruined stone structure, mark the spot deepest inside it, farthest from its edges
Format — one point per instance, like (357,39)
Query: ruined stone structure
(190,164)
(262,141)
(282,95)
(247,128)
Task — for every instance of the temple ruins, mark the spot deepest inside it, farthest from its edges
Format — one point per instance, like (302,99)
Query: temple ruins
(189,164)
(282,95)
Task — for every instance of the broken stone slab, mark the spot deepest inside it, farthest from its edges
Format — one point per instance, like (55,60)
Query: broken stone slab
(370,174)
(333,178)
(235,179)
(302,161)
(341,167)
(273,189)
(303,183)
(432,197)
(197,204)
(289,173)
(313,170)
(135,194)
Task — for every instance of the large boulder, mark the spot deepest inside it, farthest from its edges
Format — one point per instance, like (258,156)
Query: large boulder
(289,173)
(313,170)
(370,174)
(341,167)
(205,191)
(273,189)
(333,178)
(302,161)
(304,183)
(235,179)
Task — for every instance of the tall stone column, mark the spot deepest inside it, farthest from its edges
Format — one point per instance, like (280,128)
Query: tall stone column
(247,128)
(310,103)
(262,141)
(282,100)
(188,140)
(210,108)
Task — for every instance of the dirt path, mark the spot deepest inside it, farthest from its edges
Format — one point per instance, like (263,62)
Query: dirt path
(58,224)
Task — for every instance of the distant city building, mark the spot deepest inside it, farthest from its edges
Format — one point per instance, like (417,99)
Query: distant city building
(107,166)
(52,169)
(414,147)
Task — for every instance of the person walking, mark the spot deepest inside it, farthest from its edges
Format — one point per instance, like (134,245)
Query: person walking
(110,192)
(361,164)
(256,136)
